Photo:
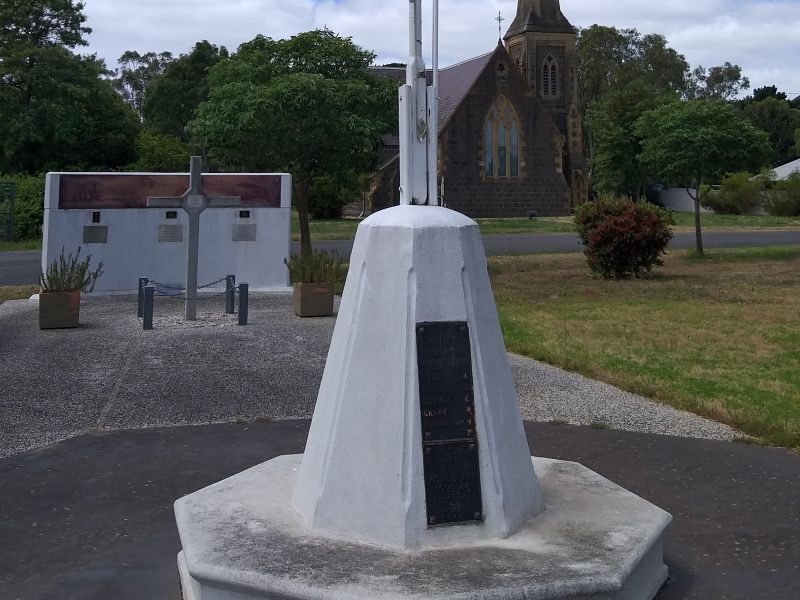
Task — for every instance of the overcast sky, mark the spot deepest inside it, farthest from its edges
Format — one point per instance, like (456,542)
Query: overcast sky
(763,36)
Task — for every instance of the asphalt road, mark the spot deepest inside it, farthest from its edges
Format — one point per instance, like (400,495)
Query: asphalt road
(22,268)
(92,518)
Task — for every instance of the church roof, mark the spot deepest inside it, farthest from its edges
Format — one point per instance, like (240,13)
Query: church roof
(539,16)
(455,82)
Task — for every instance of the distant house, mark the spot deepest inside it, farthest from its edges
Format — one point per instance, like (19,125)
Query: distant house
(784,171)
(510,131)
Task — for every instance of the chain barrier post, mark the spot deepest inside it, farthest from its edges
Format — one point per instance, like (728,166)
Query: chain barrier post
(143,281)
(147,313)
(230,298)
(244,289)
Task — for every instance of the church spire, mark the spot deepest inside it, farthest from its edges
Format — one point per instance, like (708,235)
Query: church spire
(539,16)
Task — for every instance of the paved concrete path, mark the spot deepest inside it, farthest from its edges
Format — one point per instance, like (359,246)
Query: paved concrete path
(91,518)
(22,268)
(111,375)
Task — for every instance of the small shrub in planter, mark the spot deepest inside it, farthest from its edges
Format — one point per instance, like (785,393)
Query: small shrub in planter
(739,194)
(623,238)
(315,278)
(61,287)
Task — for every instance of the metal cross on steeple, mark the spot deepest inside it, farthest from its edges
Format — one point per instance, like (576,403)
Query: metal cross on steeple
(500,20)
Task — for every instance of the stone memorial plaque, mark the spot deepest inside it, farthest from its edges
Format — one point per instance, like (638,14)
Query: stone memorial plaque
(95,234)
(447,410)
(170,233)
(244,232)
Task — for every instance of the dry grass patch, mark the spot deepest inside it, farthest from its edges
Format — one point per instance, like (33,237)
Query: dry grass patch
(17,292)
(717,336)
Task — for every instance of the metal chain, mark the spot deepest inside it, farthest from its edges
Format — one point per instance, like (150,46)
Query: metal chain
(200,287)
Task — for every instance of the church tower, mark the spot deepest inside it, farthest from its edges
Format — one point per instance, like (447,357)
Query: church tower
(543,45)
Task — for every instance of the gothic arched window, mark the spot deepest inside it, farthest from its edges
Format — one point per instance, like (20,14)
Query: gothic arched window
(549,77)
(501,140)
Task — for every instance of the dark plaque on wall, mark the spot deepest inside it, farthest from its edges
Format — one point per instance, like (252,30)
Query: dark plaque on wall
(95,234)
(449,437)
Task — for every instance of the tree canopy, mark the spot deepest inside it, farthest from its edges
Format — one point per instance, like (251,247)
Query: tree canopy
(776,117)
(56,109)
(306,105)
(688,143)
(134,74)
(611,58)
(172,97)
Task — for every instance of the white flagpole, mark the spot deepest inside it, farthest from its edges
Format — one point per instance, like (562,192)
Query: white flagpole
(433,115)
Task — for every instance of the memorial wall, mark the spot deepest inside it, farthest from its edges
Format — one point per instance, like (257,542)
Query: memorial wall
(106,215)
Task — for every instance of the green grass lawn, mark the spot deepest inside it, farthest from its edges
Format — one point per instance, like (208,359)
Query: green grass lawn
(711,221)
(345,229)
(718,336)
(23,245)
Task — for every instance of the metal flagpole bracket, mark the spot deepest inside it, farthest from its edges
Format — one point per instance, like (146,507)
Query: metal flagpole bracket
(419,128)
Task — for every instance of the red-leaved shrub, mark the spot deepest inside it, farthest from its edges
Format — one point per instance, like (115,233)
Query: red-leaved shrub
(623,238)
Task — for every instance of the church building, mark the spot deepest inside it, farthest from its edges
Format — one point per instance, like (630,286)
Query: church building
(510,133)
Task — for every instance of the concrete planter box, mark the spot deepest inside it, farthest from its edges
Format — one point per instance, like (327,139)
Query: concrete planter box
(59,310)
(313,299)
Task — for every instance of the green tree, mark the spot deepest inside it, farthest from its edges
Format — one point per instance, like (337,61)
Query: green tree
(56,111)
(622,73)
(306,105)
(135,73)
(610,58)
(724,82)
(780,121)
(768,91)
(172,97)
(160,153)
(615,158)
(695,142)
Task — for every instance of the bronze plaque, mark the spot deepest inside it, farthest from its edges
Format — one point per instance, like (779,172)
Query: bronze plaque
(449,436)
(98,190)
(95,234)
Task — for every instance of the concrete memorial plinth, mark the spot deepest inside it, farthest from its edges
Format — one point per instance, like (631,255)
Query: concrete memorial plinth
(417,481)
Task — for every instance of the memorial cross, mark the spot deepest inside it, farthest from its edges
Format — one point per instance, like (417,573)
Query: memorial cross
(194,201)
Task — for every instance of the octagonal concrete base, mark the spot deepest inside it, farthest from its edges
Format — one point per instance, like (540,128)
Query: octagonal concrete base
(243,540)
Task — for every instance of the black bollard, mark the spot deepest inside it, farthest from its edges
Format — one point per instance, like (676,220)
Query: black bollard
(143,281)
(147,316)
(244,289)
(230,298)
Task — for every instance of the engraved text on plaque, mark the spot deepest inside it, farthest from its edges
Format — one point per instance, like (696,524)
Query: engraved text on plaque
(449,437)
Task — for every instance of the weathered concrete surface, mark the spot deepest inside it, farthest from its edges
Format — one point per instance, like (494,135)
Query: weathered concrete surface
(595,541)
(362,476)
(92,518)
(109,374)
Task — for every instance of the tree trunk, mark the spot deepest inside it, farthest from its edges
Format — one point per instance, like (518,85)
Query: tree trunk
(301,201)
(697,227)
